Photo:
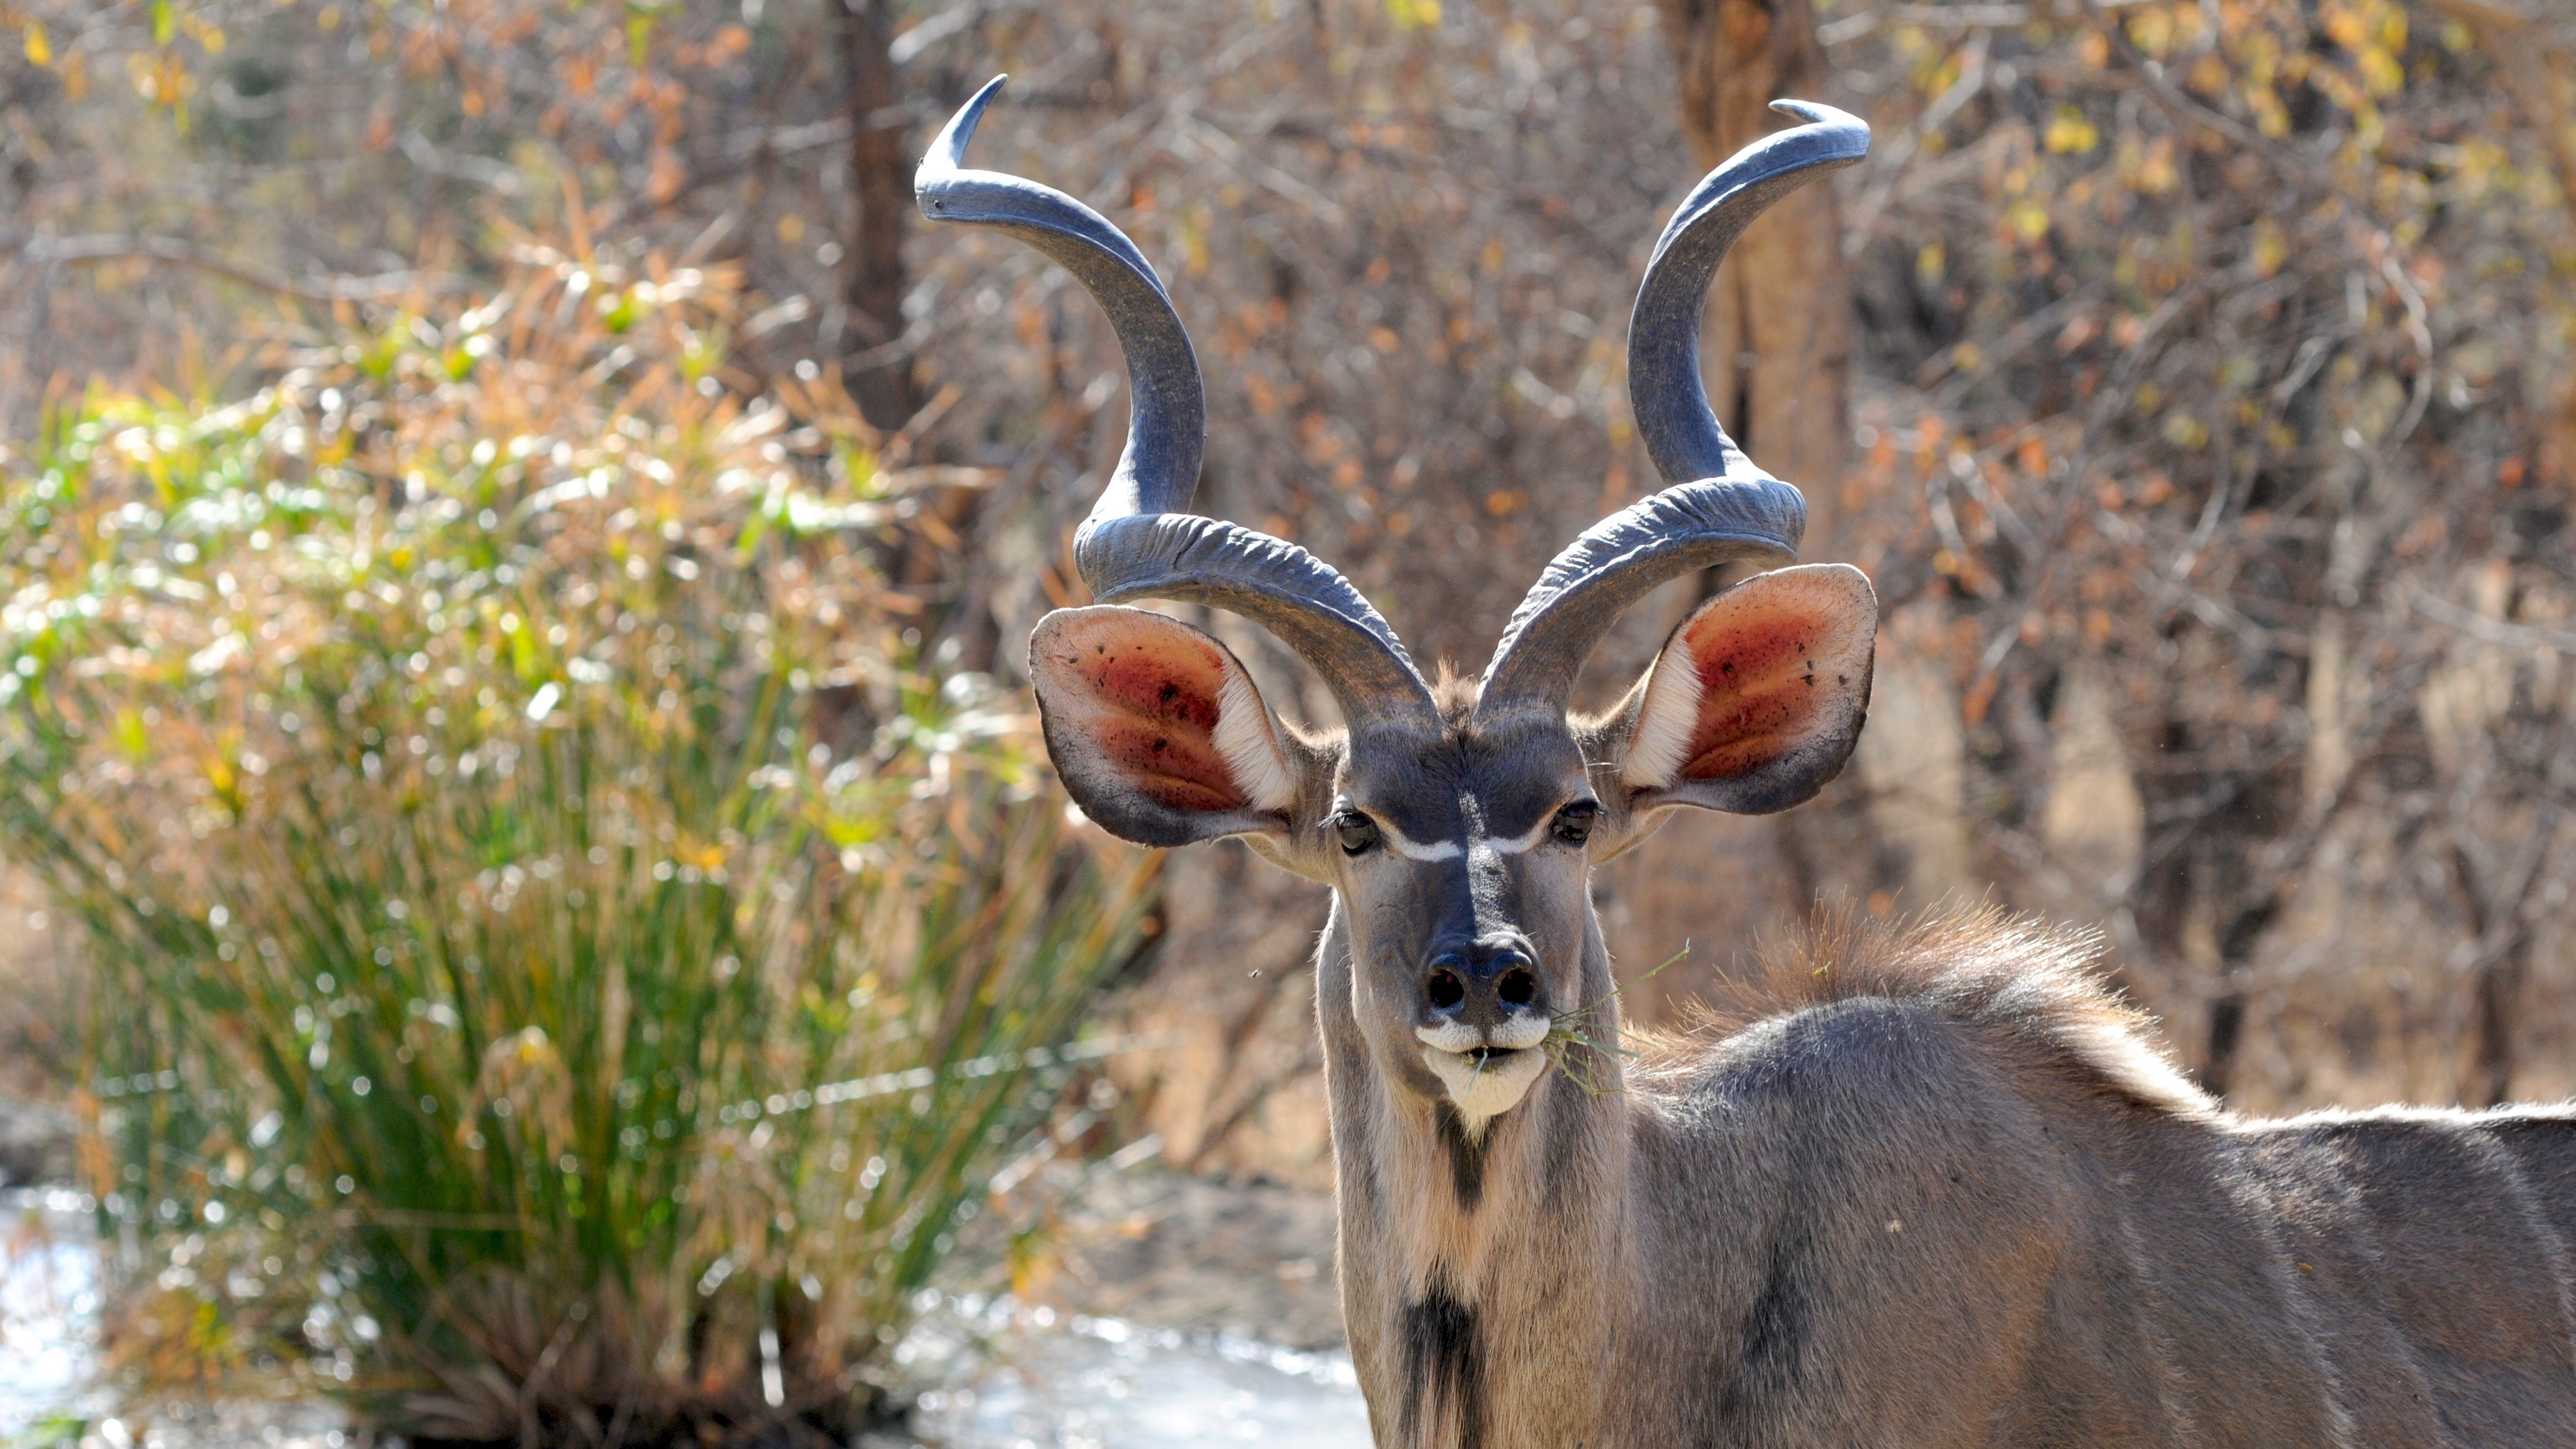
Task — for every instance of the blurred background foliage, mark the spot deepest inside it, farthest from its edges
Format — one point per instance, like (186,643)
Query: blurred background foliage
(2192,376)
(555,965)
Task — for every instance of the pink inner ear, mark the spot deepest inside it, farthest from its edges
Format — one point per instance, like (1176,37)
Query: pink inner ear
(1772,665)
(1151,703)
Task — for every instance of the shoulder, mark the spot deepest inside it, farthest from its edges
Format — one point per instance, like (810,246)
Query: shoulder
(1970,998)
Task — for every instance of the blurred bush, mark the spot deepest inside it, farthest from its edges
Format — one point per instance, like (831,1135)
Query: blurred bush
(558,970)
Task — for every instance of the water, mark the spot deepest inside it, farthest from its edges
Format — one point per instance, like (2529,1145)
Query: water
(48,1297)
(1032,1380)
(989,1374)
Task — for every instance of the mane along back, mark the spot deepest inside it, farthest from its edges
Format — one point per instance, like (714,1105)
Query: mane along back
(2012,976)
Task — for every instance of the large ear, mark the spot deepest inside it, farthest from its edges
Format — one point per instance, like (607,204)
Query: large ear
(1156,729)
(1759,696)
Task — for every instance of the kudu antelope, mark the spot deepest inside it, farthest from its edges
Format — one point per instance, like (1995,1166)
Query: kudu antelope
(1938,1190)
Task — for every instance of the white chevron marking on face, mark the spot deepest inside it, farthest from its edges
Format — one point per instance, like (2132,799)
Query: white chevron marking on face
(1516,844)
(1415,849)
(1412,849)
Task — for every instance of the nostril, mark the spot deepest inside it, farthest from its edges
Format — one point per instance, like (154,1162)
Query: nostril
(1519,987)
(1445,989)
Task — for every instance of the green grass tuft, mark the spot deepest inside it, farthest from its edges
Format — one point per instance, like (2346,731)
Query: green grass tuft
(1573,1043)
(560,967)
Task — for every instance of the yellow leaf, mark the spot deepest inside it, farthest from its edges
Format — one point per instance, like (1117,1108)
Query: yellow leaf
(2380,72)
(40,51)
(2271,248)
(2152,30)
(2070,134)
(131,736)
(1194,247)
(2028,220)
(2156,172)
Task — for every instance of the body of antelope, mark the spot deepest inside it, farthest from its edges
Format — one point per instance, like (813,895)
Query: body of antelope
(1931,1188)
(1938,1193)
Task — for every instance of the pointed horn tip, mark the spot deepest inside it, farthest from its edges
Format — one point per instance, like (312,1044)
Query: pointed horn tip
(948,152)
(1816,113)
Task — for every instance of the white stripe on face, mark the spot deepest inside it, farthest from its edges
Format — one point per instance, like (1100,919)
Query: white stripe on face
(1416,850)
(1412,849)
(1516,844)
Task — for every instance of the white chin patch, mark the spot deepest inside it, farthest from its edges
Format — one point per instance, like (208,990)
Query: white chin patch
(1485,1090)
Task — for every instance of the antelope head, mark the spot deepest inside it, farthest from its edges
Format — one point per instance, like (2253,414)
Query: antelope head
(1459,826)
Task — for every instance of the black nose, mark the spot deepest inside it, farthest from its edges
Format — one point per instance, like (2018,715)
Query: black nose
(1481,982)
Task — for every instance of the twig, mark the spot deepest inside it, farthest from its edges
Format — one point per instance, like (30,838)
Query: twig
(2015,341)
(2492,631)
(901,347)
(1570,1030)
(120,246)
(1865,212)
(1226,150)
(2419,332)
(1944,17)
(2179,105)
(2107,405)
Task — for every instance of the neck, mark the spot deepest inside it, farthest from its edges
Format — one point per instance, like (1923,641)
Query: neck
(1481,1280)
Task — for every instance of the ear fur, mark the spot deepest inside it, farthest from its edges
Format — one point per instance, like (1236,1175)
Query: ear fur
(1757,699)
(1156,729)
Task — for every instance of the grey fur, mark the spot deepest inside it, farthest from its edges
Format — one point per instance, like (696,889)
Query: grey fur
(2082,1252)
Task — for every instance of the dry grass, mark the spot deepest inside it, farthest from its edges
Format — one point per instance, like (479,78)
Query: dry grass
(559,971)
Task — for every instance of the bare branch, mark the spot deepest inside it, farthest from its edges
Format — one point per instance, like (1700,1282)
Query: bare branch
(122,246)
(2179,105)
(2492,631)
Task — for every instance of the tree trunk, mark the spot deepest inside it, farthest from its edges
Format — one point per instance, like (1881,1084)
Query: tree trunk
(874,366)
(1776,351)
(1778,345)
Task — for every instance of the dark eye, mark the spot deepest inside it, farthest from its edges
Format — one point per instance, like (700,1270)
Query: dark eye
(1357,831)
(1574,822)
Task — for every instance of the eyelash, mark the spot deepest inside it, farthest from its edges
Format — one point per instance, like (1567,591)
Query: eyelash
(1573,824)
(1358,833)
